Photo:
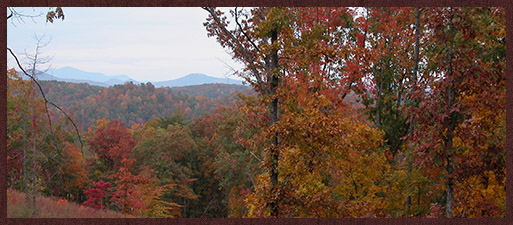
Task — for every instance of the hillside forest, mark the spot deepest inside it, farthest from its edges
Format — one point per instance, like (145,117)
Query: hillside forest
(350,112)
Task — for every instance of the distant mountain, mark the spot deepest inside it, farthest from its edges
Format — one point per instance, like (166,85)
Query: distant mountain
(195,79)
(48,77)
(73,75)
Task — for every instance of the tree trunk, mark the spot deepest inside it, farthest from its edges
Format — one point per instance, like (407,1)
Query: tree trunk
(273,110)
(33,177)
(449,167)
(33,169)
(414,78)
(25,158)
(379,87)
(415,59)
(451,126)
(417,46)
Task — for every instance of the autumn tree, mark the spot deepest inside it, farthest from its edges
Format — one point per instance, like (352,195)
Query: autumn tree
(111,142)
(34,152)
(231,153)
(97,194)
(34,61)
(389,50)
(23,108)
(165,146)
(315,118)
(255,41)
(73,173)
(125,194)
(459,82)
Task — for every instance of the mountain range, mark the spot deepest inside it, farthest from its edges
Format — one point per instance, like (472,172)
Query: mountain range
(73,75)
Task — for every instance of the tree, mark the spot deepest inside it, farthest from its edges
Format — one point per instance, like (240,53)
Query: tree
(255,42)
(126,194)
(458,83)
(74,173)
(228,161)
(390,40)
(51,15)
(46,160)
(165,147)
(111,142)
(97,195)
(35,60)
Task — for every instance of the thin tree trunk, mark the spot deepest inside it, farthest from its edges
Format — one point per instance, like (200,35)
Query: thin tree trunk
(417,46)
(273,110)
(378,103)
(415,59)
(449,167)
(452,123)
(449,148)
(25,157)
(33,177)
(414,78)
(34,134)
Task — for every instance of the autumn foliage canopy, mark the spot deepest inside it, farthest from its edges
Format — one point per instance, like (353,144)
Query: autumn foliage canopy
(358,112)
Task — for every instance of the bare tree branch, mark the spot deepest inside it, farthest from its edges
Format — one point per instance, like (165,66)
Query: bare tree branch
(71,120)
(37,83)
(46,100)
(256,157)
(19,15)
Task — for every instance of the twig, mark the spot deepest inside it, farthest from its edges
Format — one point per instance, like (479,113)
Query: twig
(256,157)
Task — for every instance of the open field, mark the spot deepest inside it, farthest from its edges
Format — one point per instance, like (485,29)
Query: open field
(52,208)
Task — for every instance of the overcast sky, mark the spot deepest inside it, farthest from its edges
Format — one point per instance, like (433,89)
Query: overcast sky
(152,44)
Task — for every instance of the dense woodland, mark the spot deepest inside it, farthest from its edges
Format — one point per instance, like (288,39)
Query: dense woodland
(138,103)
(370,112)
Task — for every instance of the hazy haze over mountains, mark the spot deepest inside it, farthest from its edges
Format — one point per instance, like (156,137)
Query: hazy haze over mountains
(195,79)
(73,75)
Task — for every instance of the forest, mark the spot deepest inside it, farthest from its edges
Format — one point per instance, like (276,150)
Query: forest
(353,112)
(138,103)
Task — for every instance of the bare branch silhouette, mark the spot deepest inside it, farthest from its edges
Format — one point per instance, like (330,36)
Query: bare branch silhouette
(47,101)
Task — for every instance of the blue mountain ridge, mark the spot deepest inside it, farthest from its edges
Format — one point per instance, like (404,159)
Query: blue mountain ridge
(73,75)
(195,79)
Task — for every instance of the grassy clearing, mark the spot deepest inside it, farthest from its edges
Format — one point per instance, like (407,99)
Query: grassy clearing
(52,208)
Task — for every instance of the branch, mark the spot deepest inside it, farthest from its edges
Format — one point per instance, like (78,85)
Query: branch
(256,157)
(251,178)
(48,102)
(243,51)
(208,206)
(15,15)
(243,32)
(37,83)
(72,122)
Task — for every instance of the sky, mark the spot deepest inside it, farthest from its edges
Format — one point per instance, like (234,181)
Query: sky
(147,44)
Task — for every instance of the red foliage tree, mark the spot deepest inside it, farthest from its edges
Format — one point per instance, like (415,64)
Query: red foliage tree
(112,142)
(96,195)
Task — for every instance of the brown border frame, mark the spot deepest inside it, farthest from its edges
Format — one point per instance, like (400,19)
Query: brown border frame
(191,3)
